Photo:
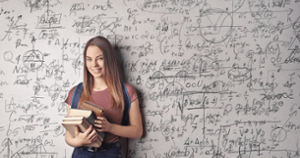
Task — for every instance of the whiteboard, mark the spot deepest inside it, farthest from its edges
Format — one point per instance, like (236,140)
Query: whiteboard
(215,79)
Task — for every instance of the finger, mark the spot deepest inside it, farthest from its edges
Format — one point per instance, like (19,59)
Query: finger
(95,138)
(89,129)
(100,118)
(90,137)
(95,132)
(98,124)
(98,121)
(92,134)
(100,129)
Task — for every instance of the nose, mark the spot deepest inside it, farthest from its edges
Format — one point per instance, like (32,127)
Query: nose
(95,63)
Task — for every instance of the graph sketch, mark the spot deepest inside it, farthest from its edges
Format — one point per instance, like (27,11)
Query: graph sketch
(215,79)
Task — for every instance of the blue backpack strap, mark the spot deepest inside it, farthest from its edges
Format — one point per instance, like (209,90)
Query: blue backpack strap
(125,120)
(76,95)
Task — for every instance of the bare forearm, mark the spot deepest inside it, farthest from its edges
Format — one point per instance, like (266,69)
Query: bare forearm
(72,141)
(126,131)
(134,130)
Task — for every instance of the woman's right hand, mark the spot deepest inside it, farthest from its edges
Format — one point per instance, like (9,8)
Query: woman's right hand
(87,137)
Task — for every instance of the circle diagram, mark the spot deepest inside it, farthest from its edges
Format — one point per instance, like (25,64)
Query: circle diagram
(33,59)
(215,25)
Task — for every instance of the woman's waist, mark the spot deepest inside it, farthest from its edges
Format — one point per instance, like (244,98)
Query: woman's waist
(111,138)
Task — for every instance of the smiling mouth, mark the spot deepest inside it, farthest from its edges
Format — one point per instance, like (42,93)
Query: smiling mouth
(97,70)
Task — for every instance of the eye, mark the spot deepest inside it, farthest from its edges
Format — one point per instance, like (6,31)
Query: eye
(101,58)
(89,59)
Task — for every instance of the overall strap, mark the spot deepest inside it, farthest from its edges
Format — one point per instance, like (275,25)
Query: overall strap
(76,95)
(125,120)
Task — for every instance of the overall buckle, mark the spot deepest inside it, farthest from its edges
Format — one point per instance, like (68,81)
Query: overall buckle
(92,149)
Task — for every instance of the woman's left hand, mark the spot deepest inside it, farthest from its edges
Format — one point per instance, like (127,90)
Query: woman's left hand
(102,124)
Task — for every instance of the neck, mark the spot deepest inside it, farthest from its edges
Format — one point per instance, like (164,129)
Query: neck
(99,85)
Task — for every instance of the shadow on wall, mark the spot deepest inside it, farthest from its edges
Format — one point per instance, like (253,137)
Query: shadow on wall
(123,77)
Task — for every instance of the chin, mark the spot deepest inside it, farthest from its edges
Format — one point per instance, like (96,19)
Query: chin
(98,76)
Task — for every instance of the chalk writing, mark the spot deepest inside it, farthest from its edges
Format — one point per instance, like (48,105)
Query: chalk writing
(215,79)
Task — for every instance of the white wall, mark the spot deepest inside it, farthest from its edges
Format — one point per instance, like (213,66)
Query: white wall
(216,79)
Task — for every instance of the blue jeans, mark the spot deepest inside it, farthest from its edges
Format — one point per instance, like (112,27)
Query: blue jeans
(101,152)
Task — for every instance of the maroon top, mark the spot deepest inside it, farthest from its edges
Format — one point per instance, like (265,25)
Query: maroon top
(102,98)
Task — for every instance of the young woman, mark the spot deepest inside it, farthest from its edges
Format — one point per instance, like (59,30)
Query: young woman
(102,87)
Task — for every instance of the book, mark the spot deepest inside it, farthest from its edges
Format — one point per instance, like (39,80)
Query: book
(70,124)
(90,106)
(89,115)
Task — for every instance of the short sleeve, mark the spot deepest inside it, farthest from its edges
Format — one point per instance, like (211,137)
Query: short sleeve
(70,96)
(132,92)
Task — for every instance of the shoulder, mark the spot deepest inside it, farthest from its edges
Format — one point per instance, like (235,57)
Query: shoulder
(72,90)
(70,95)
(129,87)
(131,91)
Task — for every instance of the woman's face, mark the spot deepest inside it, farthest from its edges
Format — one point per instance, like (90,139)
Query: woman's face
(95,61)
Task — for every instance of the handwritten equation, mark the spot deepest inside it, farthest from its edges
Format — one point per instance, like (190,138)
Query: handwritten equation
(215,79)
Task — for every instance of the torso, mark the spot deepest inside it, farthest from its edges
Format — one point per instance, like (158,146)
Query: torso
(102,98)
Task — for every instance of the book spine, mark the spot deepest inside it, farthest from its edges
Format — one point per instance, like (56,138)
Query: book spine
(100,134)
(91,118)
(94,105)
(99,139)
(84,125)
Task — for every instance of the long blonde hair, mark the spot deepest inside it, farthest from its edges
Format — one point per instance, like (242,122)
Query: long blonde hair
(111,76)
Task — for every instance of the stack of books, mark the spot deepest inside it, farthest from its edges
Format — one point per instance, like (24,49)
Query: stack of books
(83,118)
